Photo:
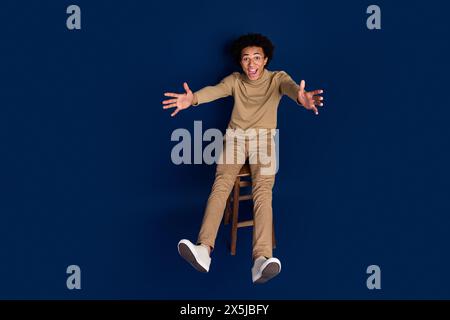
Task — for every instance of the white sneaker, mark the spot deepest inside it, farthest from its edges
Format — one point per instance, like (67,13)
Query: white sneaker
(196,255)
(265,269)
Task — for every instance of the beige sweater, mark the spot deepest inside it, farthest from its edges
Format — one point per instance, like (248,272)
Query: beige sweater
(255,101)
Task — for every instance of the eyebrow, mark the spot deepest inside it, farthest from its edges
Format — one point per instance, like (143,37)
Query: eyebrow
(247,54)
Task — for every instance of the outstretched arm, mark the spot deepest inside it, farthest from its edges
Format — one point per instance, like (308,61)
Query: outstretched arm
(204,95)
(210,93)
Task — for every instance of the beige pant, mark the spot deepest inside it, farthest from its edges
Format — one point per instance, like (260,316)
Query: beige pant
(259,148)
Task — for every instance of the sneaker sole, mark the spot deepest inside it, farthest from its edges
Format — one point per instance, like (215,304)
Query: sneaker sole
(187,255)
(270,271)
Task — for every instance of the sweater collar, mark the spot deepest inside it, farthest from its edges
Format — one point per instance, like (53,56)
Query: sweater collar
(263,78)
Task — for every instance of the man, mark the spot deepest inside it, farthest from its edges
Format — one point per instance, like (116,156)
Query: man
(257,93)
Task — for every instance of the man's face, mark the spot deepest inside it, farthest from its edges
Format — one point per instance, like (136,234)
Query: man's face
(253,62)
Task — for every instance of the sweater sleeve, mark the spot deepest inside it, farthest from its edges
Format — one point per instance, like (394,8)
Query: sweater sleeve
(288,87)
(210,93)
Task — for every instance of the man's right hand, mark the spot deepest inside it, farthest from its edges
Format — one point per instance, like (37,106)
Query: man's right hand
(181,101)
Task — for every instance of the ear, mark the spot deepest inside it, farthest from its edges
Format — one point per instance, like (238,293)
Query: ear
(265,60)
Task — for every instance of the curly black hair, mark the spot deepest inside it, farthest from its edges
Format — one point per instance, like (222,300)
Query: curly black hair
(252,40)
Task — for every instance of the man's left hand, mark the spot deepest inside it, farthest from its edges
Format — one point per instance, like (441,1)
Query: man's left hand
(310,100)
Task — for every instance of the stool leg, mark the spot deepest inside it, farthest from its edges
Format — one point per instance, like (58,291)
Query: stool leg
(226,219)
(234,225)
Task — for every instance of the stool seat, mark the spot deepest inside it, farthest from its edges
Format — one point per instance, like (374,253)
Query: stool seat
(233,213)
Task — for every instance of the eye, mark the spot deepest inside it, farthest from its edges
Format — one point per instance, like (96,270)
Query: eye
(257,58)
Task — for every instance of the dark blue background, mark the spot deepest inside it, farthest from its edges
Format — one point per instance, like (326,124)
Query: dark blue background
(87,179)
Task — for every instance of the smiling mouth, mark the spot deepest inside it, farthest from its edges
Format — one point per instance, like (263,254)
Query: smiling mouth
(252,72)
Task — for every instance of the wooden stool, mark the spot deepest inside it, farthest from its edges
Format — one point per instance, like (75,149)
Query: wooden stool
(234,198)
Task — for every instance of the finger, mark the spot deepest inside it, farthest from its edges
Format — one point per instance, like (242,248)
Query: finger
(315,110)
(169,101)
(186,87)
(317,92)
(302,85)
(171,94)
(318,98)
(175,112)
(170,106)
(318,103)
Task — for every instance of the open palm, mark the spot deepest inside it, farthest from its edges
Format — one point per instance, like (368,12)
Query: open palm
(181,101)
(310,100)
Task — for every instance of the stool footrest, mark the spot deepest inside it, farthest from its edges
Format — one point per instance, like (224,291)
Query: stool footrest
(247,223)
(245,183)
(245,197)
